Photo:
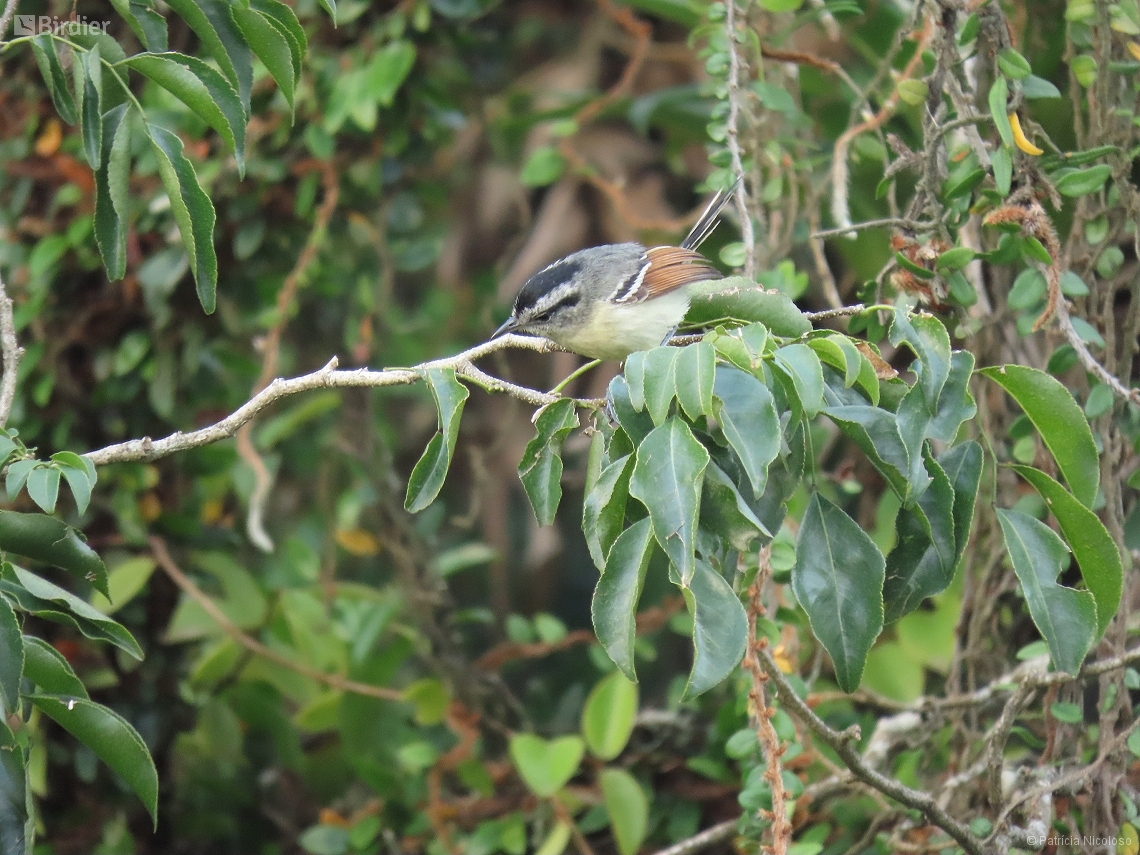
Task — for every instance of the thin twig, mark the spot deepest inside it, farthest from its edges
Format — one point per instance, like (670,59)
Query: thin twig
(732,138)
(329,377)
(1089,361)
(841,744)
(6,17)
(10,350)
(709,837)
(887,222)
(334,681)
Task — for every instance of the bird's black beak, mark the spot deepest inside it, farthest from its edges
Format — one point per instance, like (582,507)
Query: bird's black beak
(508,326)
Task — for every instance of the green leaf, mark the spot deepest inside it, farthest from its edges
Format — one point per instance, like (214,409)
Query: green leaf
(1034,87)
(123,583)
(838,580)
(11,659)
(614,606)
(609,715)
(545,165)
(431,470)
(388,70)
(1092,545)
(211,22)
(52,541)
(112,186)
(746,412)
(876,432)
(1066,618)
(89,92)
(42,598)
(1003,170)
(546,765)
(540,469)
(999,110)
(725,512)
(694,373)
(285,20)
(954,259)
(720,629)
(1013,65)
(603,511)
(43,486)
(17,828)
(269,44)
(206,92)
(44,49)
(667,480)
(927,337)
(660,381)
(800,363)
(955,403)
(77,479)
(1059,420)
(1082,181)
(330,7)
(636,423)
(628,808)
(740,300)
(687,13)
(46,667)
(192,210)
(146,23)
(112,739)
(242,601)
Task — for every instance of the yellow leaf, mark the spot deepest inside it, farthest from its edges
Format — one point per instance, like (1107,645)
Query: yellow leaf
(357,541)
(48,142)
(1020,139)
(212,511)
(150,507)
(780,657)
(1134,49)
(1129,842)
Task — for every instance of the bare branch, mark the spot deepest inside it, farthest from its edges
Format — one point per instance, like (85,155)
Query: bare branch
(1065,322)
(6,17)
(709,837)
(10,349)
(732,138)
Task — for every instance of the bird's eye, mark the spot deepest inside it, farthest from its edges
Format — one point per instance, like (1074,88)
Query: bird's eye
(543,318)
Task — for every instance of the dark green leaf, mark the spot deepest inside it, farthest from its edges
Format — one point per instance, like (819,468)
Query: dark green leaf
(746,412)
(1092,545)
(206,92)
(43,486)
(431,470)
(112,186)
(1066,618)
(636,423)
(725,512)
(1013,65)
(52,541)
(1059,420)
(40,597)
(955,404)
(112,739)
(44,49)
(720,628)
(89,92)
(543,166)
(695,371)
(838,580)
(927,337)
(660,381)
(740,300)
(147,24)
(999,110)
(1003,170)
(876,432)
(540,469)
(603,511)
(1034,87)
(272,46)
(667,480)
(285,20)
(684,12)
(192,209)
(46,667)
(11,659)
(211,22)
(955,259)
(1082,181)
(17,828)
(330,7)
(614,606)
(801,364)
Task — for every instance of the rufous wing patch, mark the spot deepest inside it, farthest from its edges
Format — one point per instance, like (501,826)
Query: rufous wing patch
(671,267)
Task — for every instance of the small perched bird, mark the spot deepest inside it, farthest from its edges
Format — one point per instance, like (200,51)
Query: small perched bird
(609,301)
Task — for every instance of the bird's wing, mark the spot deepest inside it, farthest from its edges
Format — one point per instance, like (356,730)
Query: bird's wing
(670,267)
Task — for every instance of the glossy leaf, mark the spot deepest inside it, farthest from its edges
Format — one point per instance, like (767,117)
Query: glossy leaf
(1079,182)
(16,826)
(725,512)
(1066,618)
(998,98)
(52,541)
(540,469)
(736,299)
(206,92)
(112,186)
(609,715)
(695,372)
(285,20)
(192,210)
(838,580)
(1092,545)
(43,486)
(628,808)
(720,629)
(270,45)
(667,479)
(112,739)
(633,420)
(44,50)
(955,403)
(147,24)
(49,670)
(1059,420)
(603,511)
(431,470)
(876,432)
(927,337)
(801,365)
(614,606)
(40,597)
(660,381)
(746,412)
(211,22)
(11,659)
(89,96)
(546,765)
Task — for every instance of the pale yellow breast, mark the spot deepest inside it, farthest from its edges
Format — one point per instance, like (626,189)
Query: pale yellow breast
(615,331)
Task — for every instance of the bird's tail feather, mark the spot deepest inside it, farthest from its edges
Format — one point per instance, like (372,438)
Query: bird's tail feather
(708,218)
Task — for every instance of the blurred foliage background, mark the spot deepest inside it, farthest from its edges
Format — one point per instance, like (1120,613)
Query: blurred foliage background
(437,154)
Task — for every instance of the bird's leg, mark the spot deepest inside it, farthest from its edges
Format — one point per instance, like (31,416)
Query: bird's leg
(669,335)
(610,410)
